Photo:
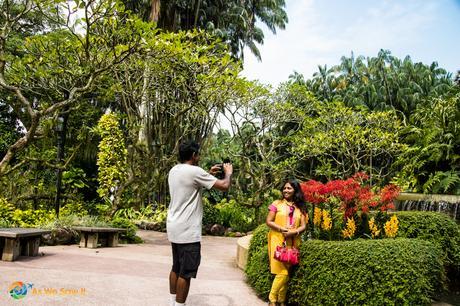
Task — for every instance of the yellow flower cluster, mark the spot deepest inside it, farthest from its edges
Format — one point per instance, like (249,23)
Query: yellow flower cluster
(317,217)
(391,227)
(350,230)
(327,221)
(307,218)
(375,232)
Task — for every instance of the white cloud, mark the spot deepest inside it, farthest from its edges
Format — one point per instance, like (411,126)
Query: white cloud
(314,37)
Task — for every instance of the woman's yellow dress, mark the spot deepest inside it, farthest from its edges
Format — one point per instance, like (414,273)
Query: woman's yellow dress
(276,238)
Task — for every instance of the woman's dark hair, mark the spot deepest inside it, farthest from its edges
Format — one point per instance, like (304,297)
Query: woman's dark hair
(298,196)
(186,150)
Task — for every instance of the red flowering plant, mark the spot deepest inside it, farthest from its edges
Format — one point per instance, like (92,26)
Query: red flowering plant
(351,196)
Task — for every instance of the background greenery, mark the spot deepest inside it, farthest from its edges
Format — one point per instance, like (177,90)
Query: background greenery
(395,119)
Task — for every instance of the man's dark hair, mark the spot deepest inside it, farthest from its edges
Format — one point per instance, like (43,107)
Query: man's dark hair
(186,150)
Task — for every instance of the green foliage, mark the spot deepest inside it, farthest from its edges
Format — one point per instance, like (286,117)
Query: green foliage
(367,272)
(257,148)
(430,163)
(381,82)
(172,92)
(89,221)
(8,130)
(154,213)
(210,213)
(67,222)
(6,210)
(443,182)
(52,57)
(111,158)
(364,272)
(258,272)
(341,141)
(130,235)
(231,20)
(436,227)
(236,216)
(74,179)
(258,268)
(32,218)
(258,240)
(160,215)
(76,208)
(64,224)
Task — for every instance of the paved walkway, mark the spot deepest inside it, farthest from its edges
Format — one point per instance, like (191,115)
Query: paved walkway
(126,275)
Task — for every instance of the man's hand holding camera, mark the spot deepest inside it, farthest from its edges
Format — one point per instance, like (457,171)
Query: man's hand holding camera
(226,168)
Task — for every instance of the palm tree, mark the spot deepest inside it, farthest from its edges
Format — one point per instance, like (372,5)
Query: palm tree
(234,21)
(382,82)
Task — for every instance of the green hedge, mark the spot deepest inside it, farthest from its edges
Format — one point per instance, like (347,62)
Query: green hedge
(367,272)
(257,268)
(436,227)
(372,272)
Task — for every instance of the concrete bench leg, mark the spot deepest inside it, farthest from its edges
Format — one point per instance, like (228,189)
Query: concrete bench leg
(112,240)
(11,249)
(83,239)
(91,241)
(31,246)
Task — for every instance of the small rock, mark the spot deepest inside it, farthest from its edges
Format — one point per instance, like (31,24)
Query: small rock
(238,234)
(207,228)
(217,230)
(48,239)
(63,236)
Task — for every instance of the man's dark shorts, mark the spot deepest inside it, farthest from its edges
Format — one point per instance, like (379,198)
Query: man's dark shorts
(186,259)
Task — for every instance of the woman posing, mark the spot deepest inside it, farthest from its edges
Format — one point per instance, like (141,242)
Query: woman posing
(287,219)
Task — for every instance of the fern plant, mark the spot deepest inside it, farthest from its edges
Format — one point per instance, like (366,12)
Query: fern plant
(443,182)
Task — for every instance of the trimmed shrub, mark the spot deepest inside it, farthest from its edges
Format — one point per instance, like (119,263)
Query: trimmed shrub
(367,272)
(258,272)
(259,238)
(257,268)
(436,227)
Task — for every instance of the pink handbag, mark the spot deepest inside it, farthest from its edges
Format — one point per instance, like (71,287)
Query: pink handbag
(287,255)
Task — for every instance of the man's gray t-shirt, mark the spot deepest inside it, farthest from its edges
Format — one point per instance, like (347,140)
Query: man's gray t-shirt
(185,212)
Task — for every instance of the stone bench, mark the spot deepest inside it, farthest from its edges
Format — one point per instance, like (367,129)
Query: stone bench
(90,237)
(20,241)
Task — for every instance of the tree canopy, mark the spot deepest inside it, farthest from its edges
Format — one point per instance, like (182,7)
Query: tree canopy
(234,21)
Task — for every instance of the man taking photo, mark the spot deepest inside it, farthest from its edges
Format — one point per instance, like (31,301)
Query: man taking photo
(185,214)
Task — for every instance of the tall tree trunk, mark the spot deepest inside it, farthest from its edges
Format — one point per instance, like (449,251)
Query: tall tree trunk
(143,108)
(155,11)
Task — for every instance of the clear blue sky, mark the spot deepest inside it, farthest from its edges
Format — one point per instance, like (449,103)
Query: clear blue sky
(322,31)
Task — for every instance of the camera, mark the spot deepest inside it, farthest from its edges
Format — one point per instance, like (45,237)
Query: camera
(221,173)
